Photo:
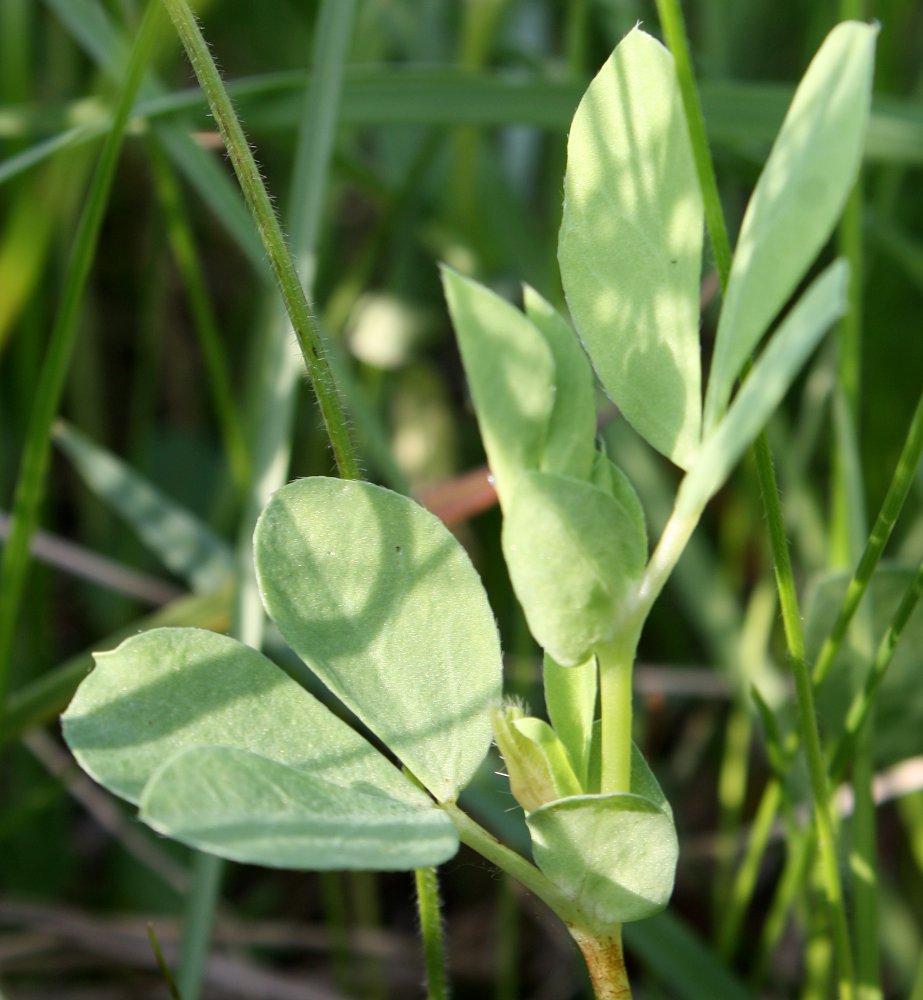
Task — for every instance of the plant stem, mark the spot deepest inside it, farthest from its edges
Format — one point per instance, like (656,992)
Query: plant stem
(428,909)
(30,487)
(605,961)
(296,303)
(615,663)
(197,923)
(476,837)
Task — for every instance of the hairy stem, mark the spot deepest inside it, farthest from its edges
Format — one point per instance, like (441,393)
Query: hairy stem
(302,318)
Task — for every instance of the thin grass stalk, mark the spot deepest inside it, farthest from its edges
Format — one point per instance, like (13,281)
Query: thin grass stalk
(198,916)
(674,30)
(336,923)
(732,788)
(798,861)
(862,704)
(188,263)
(30,487)
(430,917)
(898,489)
(841,754)
(300,313)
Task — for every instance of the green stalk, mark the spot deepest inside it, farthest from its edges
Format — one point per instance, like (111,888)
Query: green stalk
(188,263)
(674,30)
(30,487)
(429,912)
(615,691)
(861,706)
(476,837)
(898,489)
(198,916)
(604,957)
(280,259)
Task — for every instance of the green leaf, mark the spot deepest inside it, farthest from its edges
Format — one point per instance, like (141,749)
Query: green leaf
(797,335)
(570,697)
(573,552)
(797,199)
(609,477)
(248,808)
(613,855)
(172,689)
(510,372)
(539,766)
(380,600)
(630,246)
(572,428)
(182,542)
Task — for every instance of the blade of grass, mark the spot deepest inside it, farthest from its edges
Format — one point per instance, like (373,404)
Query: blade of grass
(898,489)
(182,542)
(675,32)
(30,487)
(771,801)
(188,263)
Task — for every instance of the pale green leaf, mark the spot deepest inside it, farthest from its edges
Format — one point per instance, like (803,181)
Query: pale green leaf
(510,372)
(573,552)
(630,246)
(541,735)
(570,697)
(171,689)
(609,477)
(182,542)
(251,809)
(767,383)
(381,601)
(613,855)
(797,199)
(536,761)
(572,428)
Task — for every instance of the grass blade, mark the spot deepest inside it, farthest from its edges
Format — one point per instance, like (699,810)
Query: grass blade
(31,484)
(183,543)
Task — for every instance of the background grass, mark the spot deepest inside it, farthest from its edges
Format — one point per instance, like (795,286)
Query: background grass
(448,144)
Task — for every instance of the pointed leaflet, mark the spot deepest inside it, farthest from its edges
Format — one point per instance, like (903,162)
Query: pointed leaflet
(381,601)
(573,552)
(797,199)
(248,808)
(630,246)
(510,372)
(610,478)
(613,855)
(767,383)
(572,426)
(172,689)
